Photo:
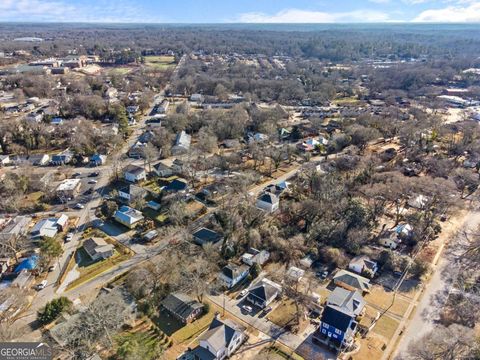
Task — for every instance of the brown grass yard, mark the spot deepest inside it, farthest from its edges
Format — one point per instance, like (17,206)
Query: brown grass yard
(386,327)
(381,298)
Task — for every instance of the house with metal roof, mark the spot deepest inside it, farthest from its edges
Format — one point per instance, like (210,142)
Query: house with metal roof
(182,143)
(48,227)
(128,216)
(182,307)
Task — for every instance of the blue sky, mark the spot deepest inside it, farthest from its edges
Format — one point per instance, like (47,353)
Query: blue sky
(225,11)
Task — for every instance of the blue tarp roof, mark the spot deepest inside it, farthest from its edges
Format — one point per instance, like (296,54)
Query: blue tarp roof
(27,264)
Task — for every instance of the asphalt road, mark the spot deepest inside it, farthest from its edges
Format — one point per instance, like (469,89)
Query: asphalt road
(437,290)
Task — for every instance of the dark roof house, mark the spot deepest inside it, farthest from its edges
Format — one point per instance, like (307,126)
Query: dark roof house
(182,307)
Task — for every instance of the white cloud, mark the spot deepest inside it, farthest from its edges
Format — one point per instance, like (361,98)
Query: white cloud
(305,16)
(65,11)
(380,1)
(452,14)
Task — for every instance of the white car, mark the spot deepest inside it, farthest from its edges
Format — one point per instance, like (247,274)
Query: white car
(69,237)
(79,206)
(243,292)
(52,267)
(247,309)
(42,285)
(92,181)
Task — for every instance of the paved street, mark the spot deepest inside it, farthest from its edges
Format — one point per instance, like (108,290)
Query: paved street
(435,292)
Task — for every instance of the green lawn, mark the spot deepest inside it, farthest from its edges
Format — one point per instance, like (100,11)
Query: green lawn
(160,62)
(89,269)
(158,216)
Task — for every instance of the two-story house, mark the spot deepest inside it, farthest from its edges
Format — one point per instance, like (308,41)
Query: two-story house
(338,323)
(219,342)
(232,274)
(134,173)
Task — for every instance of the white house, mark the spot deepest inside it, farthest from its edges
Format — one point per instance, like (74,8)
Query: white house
(48,227)
(134,173)
(4,160)
(219,342)
(128,216)
(268,202)
(182,143)
(263,293)
(363,265)
(254,256)
(232,274)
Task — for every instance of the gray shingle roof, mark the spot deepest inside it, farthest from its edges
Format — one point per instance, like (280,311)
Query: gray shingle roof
(181,305)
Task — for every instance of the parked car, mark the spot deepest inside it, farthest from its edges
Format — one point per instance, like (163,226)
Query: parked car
(243,292)
(322,274)
(42,285)
(79,206)
(247,309)
(92,181)
(94,174)
(77,174)
(88,192)
(52,267)
(69,237)
(266,310)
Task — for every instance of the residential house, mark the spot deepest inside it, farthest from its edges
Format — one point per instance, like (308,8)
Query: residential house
(219,342)
(56,121)
(98,160)
(135,173)
(182,143)
(97,248)
(176,186)
(68,189)
(257,137)
(337,328)
(162,170)
(131,193)
(137,150)
(35,117)
(352,281)
(295,274)
(349,300)
(363,265)
(393,238)
(198,98)
(11,228)
(268,202)
(263,293)
(39,159)
(146,137)
(182,307)
(162,108)
(254,256)
(206,236)
(232,274)
(62,158)
(128,216)
(48,227)
(132,109)
(4,160)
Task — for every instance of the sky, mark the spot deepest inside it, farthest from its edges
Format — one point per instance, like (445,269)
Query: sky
(240,11)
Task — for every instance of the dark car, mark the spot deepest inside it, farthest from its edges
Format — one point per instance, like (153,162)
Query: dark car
(94,174)
(88,192)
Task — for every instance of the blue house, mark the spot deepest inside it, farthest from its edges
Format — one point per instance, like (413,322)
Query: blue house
(97,160)
(338,322)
